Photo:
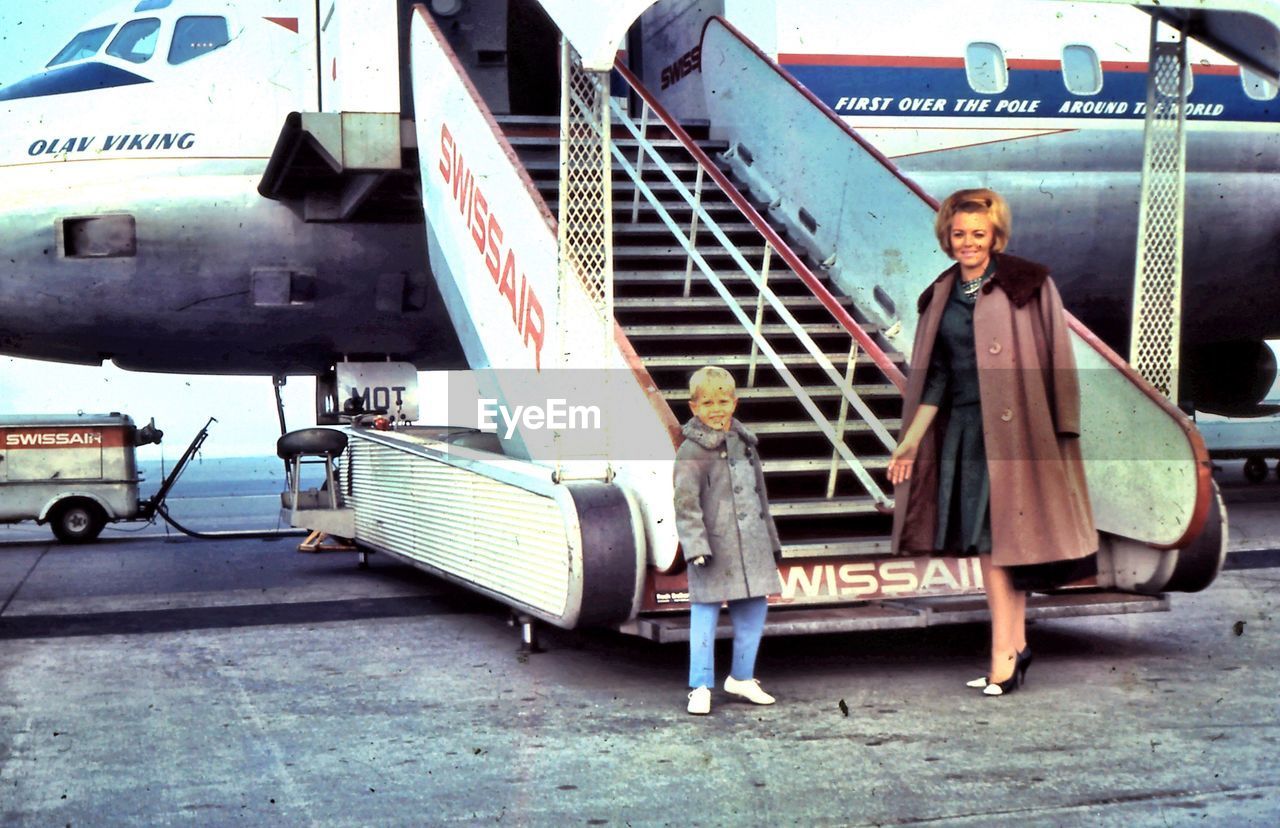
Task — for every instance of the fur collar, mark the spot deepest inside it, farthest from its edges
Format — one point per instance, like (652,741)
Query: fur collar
(1019,278)
(698,432)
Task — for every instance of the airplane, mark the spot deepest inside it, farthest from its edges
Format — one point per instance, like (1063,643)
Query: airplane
(133,229)
(134,162)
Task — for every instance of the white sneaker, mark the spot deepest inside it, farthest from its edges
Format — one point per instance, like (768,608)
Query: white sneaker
(700,701)
(749,690)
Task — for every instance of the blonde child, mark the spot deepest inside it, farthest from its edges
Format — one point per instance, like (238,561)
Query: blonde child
(728,537)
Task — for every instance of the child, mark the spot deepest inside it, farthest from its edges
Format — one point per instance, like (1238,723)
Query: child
(728,537)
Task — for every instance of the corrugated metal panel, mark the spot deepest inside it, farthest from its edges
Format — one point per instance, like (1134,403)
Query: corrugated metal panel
(508,541)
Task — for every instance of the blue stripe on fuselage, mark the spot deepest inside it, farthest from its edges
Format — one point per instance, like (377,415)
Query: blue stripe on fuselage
(931,91)
(62,80)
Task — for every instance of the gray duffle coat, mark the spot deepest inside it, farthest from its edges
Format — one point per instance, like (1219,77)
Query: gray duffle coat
(722,514)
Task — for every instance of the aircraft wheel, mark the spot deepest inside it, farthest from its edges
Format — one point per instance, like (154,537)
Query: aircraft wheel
(1255,470)
(77,521)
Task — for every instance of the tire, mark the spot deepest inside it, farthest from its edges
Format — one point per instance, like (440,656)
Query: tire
(311,441)
(1255,470)
(77,521)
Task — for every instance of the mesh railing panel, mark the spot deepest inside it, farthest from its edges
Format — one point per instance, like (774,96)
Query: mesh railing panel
(1157,297)
(586,199)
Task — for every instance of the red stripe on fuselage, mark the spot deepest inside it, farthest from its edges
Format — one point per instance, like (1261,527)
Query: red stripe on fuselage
(870,60)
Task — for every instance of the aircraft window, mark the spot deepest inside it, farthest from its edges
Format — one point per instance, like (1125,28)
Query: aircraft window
(86,44)
(985,66)
(195,36)
(152,5)
(136,42)
(1256,86)
(1081,70)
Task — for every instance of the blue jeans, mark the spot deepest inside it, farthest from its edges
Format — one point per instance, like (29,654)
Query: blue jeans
(747,615)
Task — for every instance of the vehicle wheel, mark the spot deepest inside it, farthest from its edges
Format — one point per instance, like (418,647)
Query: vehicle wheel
(1255,470)
(77,521)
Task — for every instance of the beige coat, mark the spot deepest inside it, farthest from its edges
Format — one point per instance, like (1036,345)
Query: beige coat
(1030,398)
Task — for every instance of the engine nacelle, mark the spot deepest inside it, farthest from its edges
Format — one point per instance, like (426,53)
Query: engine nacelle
(1230,378)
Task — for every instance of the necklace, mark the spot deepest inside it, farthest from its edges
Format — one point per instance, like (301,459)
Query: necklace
(971,287)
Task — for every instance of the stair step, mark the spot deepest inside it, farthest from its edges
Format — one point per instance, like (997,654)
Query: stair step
(809,427)
(782,392)
(641,303)
(822,506)
(838,547)
(813,464)
(640,228)
(649,251)
(544,165)
(689,331)
(663,277)
(694,361)
(553,141)
(623,206)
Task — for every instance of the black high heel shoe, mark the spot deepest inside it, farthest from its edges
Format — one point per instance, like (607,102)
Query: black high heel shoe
(1023,662)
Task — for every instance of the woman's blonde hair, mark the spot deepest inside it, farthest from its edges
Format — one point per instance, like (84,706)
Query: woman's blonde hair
(710,376)
(983,201)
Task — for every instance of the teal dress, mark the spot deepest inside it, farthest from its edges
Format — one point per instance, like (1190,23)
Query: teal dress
(964,485)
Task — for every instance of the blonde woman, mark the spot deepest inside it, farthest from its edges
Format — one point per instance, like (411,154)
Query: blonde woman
(989,460)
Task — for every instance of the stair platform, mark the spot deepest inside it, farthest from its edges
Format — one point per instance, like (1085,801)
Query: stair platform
(892,615)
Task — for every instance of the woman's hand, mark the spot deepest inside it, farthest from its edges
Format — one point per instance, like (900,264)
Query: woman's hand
(902,460)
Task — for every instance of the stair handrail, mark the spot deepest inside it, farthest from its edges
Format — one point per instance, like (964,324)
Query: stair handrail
(849,395)
(873,350)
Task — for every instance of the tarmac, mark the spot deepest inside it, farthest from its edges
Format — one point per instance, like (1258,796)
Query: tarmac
(172,681)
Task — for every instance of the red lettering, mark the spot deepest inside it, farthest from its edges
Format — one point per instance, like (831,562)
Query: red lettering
(533,323)
(446,153)
(486,231)
(507,287)
(495,239)
(458,169)
(479,214)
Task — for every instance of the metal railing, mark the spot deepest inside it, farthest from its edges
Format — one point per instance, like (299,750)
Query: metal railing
(687,237)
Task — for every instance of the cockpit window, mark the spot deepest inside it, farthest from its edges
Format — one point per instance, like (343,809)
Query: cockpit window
(195,36)
(86,44)
(136,41)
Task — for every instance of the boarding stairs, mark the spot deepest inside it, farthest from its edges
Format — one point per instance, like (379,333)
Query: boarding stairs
(677,322)
(695,269)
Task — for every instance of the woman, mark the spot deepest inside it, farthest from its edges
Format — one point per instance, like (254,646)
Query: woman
(989,462)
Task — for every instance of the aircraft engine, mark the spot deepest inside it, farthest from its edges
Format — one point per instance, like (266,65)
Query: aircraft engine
(1230,378)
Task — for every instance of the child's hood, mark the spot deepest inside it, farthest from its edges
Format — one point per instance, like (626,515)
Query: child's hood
(711,439)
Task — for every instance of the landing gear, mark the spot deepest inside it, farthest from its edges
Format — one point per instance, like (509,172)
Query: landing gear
(1255,469)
